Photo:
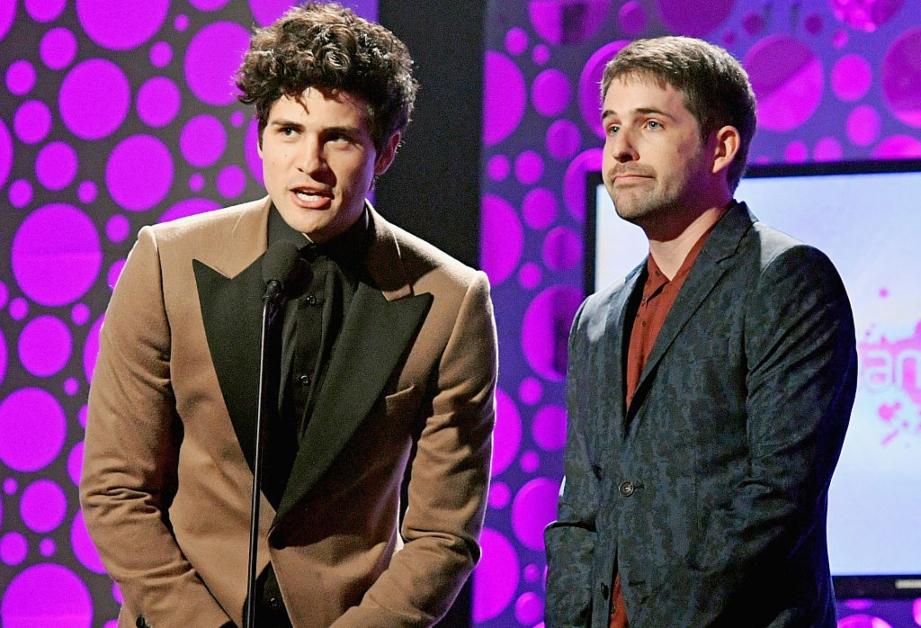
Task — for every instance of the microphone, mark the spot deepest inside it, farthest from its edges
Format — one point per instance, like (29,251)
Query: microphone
(283,269)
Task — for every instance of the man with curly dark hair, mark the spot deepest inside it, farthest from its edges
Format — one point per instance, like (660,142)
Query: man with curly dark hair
(384,361)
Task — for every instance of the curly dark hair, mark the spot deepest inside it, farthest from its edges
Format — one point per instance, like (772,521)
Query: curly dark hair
(716,87)
(326,45)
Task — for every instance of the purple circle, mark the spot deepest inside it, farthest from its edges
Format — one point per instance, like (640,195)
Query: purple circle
(71,387)
(545,330)
(840,38)
(516,41)
(196,182)
(181,23)
(796,152)
(530,275)
(549,428)
(574,181)
(56,165)
(211,59)
(43,506)
(695,18)
(10,486)
(83,547)
(557,23)
(541,54)
(3,358)
(117,228)
(75,463)
(231,181)
(813,24)
(115,270)
(117,595)
(4,294)
(530,391)
(58,48)
(20,77)
(32,121)
(7,15)
(161,53)
(19,308)
(208,5)
(507,435)
(202,140)
(33,426)
(898,147)
(851,77)
(80,314)
(44,346)
(43,591)
(82,414)
(495,580)
(44,10)
(529,608)
(158,102)
(550,93)
(189,207)
(135,188)
(20,193)
(499,495)
(529,462)
(754,23)
(47,547)
(13,548)
(505,97)
(56,254)
(120,25)
(562,249)
(237,118)
(863,125)
(589,82)
(539,208)
(251,152)
(6,153)
(902,78)
(788,80)
(502,240)
(865,15)
(498,167)
(632,18)
(532,509)
(88,116)
(86,192)
(563,139)
(531,572)
(863,621)
(529,167)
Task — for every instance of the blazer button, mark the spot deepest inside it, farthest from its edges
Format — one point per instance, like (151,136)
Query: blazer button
(141,622)
(605,590)
(626,488)
(304,380)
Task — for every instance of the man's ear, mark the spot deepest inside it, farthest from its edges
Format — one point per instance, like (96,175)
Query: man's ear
(385,158)
(727,145)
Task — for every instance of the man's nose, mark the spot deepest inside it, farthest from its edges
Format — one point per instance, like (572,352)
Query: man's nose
(311,157)
(622,146)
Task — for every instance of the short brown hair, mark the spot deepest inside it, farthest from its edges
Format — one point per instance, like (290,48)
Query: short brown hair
(326,45)
(715,85)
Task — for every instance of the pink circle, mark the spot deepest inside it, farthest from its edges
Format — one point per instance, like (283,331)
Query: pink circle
(47,547)
(788,81)
(589,81)
(43,591)
(7,15)
(862,621)
(20,193)
(496,577)
(839,39)
(898,147)
(208,5)
(20,77)
(529,608)
(88,116)
(532,509)
(251,152)
(507,435)
(563,139)
(120,25)
(562,249)
(267,11)
(632,18)
(902,78)
(158,102)
(32,121)
(505,97)
(6,153)
(44,10)
(117,228)
(516,41)
(80,314)
(865,15)
(545,330)
(202,140)
(56,165)
(499,495)
(539,208)
(188,207)
(211,59)
(502,239)
(549,428)
(695,18)
(43,506)
(529,462)
(13,548)
(196,182)
(81,415)
(796,152)
(550,93)
(44,346)
(71,387)
(237,118)
(137,188)
(827,149)
(181,23)
(530,391)
(83,547)
(851,77)
(557,23)
(498,167)
(531,573)
(9,486)
(56,254)
(3,355)
(86,192)
(541,54)
(574,181)
(58,48)
(115,270)
(33,426)
(75,463)
(529,276)
(916,611)
(19,308)
(161,53)
(231,181)
(863,125)
(529,167)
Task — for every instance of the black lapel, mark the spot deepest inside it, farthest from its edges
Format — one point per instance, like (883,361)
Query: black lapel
(621,309)
(375,334)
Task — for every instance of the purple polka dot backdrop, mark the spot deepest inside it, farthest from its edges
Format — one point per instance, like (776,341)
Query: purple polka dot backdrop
(112,117)
(836,80)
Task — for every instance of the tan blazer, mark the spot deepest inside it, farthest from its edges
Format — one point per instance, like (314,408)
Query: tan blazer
(167,472)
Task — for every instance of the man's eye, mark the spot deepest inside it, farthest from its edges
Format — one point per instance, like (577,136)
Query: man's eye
(613,129)
(653,124)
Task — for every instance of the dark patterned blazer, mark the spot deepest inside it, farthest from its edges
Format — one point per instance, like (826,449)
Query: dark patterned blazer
(709,496)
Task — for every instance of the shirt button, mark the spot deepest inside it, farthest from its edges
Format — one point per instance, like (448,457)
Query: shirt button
(304,380)
(626,488)
(605,591)
(311,299)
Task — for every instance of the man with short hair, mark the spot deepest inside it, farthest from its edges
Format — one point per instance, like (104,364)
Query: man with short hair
(710,391)
(384,357)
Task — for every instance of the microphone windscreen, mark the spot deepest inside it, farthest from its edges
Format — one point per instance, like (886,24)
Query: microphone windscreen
(281,262)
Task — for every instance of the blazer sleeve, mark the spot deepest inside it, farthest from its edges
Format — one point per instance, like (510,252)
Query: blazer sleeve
(801,378)
(570,540)
(449,477)
(131,453)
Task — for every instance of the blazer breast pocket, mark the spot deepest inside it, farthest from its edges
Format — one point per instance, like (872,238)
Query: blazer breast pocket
(403,404)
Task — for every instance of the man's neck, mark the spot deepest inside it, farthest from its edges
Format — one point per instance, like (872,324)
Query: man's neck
(670,252)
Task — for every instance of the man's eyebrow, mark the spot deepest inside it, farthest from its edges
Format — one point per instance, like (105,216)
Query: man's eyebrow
(281,122)
(639,110)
